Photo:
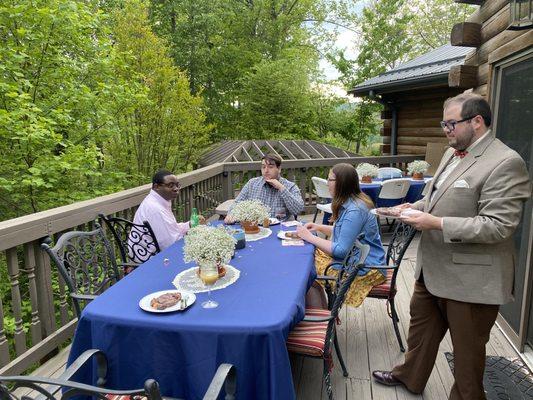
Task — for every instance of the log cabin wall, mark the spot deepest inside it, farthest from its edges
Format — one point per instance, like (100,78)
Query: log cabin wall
(496,43)
(419,115)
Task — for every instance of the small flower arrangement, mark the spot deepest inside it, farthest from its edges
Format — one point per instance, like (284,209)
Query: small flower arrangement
(206,244)
(367,171)
(250,210)
(417,167)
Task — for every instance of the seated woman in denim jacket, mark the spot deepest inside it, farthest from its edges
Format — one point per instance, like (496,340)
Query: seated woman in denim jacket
(351,217)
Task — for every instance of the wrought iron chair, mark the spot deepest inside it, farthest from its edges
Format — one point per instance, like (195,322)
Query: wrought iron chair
(315,334)
(136,242)
(400,241)
(63,388)
(86,261)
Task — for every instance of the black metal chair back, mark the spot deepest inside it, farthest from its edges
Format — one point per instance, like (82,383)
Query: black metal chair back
(87,263)
(225,380)
(400,241)
(136,242)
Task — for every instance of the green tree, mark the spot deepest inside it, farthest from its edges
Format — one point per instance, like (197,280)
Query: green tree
(163,125)
(55,83)
(275,101)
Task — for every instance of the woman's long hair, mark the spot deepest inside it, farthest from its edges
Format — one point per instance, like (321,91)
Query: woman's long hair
(346,187)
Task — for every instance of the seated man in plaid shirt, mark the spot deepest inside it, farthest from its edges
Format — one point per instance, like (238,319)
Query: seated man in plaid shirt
(272,190)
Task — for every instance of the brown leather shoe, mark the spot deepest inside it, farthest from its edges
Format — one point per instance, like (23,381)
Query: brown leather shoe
(386,378)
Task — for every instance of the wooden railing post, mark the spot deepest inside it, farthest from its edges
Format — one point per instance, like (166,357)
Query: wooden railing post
(29,264)
(227,186)
(43,278)
(4,345)
(16,300)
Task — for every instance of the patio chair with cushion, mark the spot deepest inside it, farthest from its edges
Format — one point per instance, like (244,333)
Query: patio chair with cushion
(86,262)
(63,388)
(136,242)
(323,202)
(401,238)
(389,173)
(315,334)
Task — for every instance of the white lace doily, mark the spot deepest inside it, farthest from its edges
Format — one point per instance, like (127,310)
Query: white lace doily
(263,233)
(189,281)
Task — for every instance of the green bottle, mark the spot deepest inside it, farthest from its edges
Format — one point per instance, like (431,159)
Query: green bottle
(195,220)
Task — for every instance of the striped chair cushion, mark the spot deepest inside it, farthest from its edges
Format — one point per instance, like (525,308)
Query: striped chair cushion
(309,338)
(383,289)
(126,397)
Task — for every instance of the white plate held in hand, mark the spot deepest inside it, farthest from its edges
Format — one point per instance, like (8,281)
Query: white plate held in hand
(186,300)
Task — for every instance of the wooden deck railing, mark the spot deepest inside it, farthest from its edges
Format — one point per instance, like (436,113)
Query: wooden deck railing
(38,319)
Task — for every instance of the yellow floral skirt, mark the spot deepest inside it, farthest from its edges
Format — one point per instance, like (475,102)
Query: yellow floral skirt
(360,287)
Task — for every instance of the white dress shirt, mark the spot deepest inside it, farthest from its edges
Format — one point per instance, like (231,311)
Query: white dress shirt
(454,162)
(158,212)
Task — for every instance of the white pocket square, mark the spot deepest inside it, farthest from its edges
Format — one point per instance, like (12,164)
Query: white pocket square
(461,184)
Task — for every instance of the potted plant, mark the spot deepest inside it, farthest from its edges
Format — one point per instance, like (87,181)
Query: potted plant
(249,213)
(417,169)
(367,171)
(209,247)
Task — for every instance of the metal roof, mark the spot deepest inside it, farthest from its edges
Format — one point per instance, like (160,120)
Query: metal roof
(430,67)
(254,150)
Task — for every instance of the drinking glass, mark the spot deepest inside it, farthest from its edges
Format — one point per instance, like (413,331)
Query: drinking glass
(209,275)
(281,215)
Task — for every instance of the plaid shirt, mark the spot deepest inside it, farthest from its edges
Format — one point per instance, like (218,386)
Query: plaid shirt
(289,198)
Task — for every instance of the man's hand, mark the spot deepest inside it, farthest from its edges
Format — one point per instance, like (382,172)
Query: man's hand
(229,220)
(423,221)
(275,183)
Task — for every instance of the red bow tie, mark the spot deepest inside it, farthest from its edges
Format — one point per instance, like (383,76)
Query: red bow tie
(460,153)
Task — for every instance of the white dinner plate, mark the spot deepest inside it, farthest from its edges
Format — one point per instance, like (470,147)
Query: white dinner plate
(281,235)
(408,212)
(273,221)
(189,298)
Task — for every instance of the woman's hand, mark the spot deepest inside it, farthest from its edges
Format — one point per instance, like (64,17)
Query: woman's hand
(311,226)
(304,233)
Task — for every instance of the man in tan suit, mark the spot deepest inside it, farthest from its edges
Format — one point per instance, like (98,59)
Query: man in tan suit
(466,258)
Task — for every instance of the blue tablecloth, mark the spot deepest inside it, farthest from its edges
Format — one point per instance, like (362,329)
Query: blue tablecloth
(182,350)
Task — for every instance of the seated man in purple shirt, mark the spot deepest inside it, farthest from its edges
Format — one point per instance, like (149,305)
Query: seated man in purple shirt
(156,208)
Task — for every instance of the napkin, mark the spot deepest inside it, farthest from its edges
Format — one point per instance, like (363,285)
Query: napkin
(292,242)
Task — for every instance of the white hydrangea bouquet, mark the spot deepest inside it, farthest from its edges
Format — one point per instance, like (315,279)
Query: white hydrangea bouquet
(250,213)
(367,171)
(208,245)
(417,168)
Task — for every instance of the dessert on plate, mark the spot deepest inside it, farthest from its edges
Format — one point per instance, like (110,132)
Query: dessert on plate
(165,300)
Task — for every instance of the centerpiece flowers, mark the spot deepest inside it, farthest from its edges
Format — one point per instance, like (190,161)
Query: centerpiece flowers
(209,247)
(367,171)
(417,169)
(249,213)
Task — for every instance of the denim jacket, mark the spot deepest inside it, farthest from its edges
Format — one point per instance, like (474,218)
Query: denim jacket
(355,218)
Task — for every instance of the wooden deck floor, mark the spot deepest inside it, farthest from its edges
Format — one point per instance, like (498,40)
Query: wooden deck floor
(368,342)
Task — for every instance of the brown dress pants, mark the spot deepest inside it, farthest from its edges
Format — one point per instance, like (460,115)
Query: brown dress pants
(469,326)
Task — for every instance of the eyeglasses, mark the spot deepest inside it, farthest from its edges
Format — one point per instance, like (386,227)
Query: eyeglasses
(172,185)
(452,123)
(331,179)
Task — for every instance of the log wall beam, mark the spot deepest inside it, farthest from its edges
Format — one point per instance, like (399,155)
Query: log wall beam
(466,34)
(463,76)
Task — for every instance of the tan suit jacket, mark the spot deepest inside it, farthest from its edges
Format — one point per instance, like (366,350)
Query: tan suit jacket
(473,258)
